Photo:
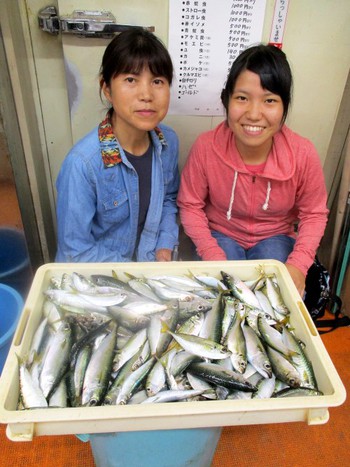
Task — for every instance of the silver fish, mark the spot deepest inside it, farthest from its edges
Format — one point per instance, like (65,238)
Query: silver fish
(145,307)
(59,396)
(274,338)
(211,328)
(183,283)
(133,381)
(190,308)
(283,369)
(57,359)
(166,293)
(172,396)
(156,379)
(266,387)
(240,290)
(140,286)
(204,348)
(235,342)
(133,345)
(75,379)
(201,385)
(297,392)
(159,340)
(116,383)
(220,376)
(38,339)
(210,281)
(128,318)
(256,354)
(275,297)
(30,391)
(66,298)
(300,360)
(98,371)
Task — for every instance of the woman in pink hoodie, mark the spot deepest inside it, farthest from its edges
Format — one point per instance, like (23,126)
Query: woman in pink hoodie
(250,181)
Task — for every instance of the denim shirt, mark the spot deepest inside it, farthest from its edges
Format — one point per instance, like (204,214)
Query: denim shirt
(98,200)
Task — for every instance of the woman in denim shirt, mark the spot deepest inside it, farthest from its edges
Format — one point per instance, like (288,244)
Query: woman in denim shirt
(117,187)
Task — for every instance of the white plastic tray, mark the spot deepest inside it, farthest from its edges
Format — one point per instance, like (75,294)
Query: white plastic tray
(23,425)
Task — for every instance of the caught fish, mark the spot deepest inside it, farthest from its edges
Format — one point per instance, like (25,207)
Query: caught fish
(273,338)
(300,360)
(141,287)
(56,361)
(169,338)
(172,396)
(156,379)
(98,371)
(182,283)
(265,388)
(212,325)
(67,298)
(204,348)
(38,339)
(275,297)
(30,392)
(297,392)
(240,290)
(190,308)
(220,376)
(159,340)
(76,375)
(128,318)
(133,345)
(256,354)
(133,381)
(283,369)
(145,307)
(235,342)
(201,385)
(167,293)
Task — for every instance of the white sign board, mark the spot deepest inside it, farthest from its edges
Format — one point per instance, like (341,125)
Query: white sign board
(205,36)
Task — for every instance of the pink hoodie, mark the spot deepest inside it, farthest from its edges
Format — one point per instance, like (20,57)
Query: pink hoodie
(217,192)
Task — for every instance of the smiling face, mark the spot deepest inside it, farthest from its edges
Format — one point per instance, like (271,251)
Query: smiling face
(254,116)
(139,100)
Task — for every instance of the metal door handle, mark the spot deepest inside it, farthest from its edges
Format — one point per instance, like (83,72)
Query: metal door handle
(83,23)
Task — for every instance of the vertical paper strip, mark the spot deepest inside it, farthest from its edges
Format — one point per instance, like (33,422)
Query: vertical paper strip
(279,23)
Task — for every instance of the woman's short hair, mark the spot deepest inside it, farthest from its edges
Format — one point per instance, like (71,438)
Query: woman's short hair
(132,50)
(270,63)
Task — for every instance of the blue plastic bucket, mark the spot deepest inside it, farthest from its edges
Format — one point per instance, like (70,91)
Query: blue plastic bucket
(15,269)
(193,447)
(11,304)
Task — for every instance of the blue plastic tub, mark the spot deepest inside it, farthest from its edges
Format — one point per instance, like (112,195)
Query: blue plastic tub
(15,269)
(193,447)
(11,304)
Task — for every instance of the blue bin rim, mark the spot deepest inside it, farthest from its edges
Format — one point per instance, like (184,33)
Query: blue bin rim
(23,264)
(19,300)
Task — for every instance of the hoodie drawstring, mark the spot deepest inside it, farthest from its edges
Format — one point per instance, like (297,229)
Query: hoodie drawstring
(228,213)
(265,206)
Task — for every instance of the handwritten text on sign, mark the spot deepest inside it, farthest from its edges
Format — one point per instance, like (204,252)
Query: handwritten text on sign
(205,36)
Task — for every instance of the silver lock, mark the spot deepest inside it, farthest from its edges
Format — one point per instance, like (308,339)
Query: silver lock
(83,23)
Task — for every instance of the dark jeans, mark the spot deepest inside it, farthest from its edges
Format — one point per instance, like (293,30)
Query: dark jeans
(278,247)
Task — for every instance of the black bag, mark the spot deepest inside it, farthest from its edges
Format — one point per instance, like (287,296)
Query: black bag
(319,297)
